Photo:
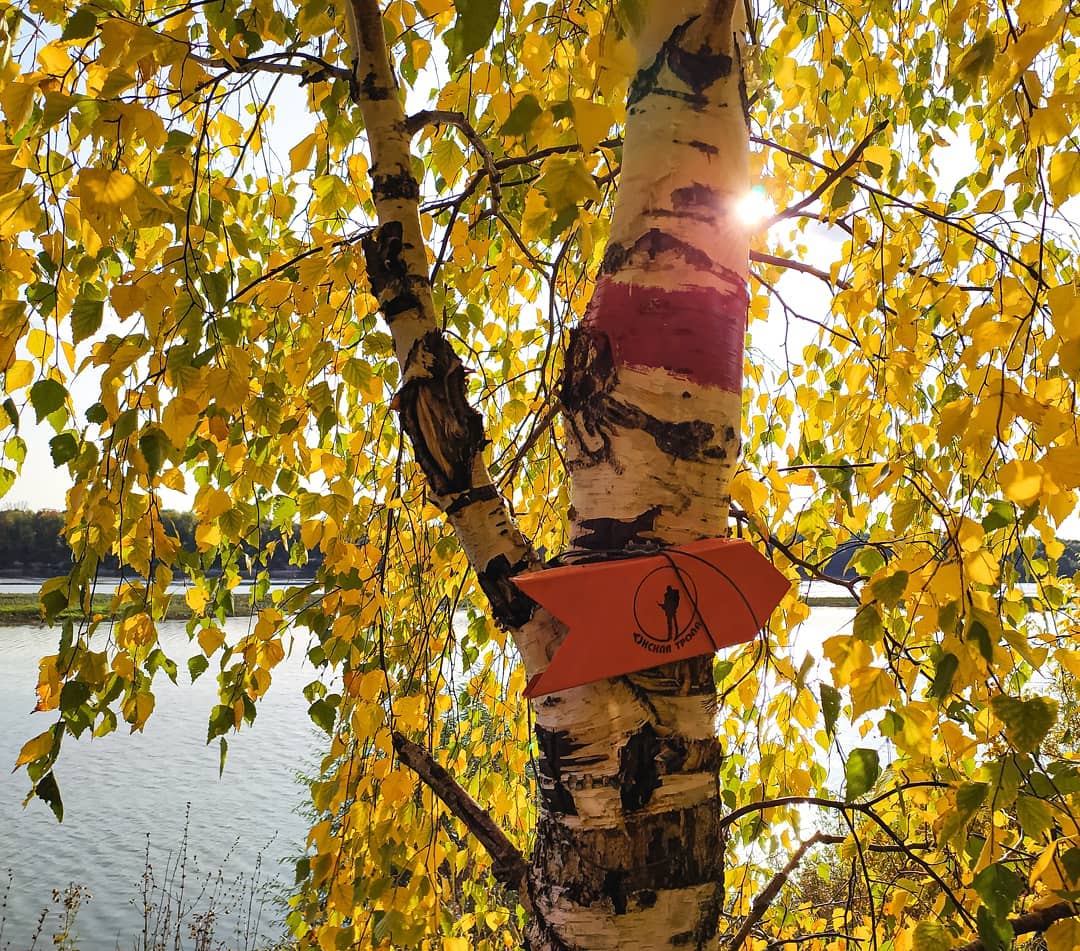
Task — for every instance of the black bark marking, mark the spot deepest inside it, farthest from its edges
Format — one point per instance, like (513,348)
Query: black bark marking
(646,899)
(482,493)
(693,197)
(697,69)
(388,274)
(680,849)
(639,773)
(652,244)
(397,186)
(372,89)
(704,147)
(557,752)
(688,440)
(588,378)
(613,534)
(447,434)
(510,606)
(680,755)
(614,888)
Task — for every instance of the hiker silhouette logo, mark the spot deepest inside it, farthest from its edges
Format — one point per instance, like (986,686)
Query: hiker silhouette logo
(665,609)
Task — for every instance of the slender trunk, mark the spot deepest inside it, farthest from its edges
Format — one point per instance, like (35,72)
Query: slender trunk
(628,852)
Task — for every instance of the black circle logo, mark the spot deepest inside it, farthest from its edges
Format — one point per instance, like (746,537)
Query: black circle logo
(665,604)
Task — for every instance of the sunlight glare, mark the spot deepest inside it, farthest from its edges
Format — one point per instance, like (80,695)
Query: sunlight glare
(755,206)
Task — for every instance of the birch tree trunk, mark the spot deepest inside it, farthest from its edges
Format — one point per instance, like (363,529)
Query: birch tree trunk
(627,849)
(628,853)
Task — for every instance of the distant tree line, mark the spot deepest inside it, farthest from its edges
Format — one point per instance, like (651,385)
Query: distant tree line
(31,545)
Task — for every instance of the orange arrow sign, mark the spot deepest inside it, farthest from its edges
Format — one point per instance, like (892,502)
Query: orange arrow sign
(634,613)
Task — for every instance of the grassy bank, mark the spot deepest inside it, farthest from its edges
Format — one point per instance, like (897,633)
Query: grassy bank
(22,608)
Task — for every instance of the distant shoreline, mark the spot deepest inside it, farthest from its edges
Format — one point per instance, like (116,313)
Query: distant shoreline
(22,607)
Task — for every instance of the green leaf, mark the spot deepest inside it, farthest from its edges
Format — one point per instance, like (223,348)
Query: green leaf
(861,772)
(999,514)
(323,716)
(931,935)
(63,448)
(476,21)
(12,412)
(525,112)
(890,590)
(73,695)
(1034,816)
(978,60)
(1026,721)
(995,933)
(197,666)
(998,886)
(154,445)
(221,721)
(830,706)
(944,671)
(80,25)
(85,318)
(867,624)
(223,752)
(47,396)
(48,791)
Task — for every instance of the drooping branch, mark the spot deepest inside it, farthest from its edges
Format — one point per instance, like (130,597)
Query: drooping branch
(510,867)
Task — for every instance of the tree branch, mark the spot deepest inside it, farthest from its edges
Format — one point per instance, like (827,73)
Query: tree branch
(1031,923)
(776,261)
(459,121)
(769,893)
(510,867)
(831,177)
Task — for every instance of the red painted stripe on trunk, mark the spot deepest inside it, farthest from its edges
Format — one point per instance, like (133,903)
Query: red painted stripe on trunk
(696,333)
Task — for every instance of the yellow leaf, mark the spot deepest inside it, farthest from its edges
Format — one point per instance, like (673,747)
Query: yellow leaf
(19,374)
(1064,176)
(871,688)
(300,154)
(196,598)
(396,786)
(455,944)
(210,639)
(34,749)
(1049,125)
(980,567)
(207,535)
(1063,935)
(1021,480)
(592,120)
(105,186)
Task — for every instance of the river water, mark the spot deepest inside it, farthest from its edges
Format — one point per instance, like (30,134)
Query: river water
(118,789)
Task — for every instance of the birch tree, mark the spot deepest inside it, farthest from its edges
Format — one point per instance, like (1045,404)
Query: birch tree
(459,288)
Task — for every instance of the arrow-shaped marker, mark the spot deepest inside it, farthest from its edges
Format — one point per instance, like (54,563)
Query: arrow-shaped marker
(633,613)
